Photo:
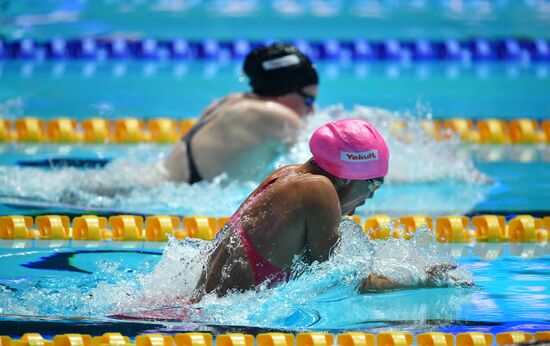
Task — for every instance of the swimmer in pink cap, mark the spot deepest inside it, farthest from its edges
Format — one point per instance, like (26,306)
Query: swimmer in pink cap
(297,210)
(350,149)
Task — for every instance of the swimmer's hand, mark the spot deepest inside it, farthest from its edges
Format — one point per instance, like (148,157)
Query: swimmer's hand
(436,276)
(440,275)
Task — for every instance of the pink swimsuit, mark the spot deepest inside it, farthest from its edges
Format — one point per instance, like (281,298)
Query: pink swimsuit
(263,270)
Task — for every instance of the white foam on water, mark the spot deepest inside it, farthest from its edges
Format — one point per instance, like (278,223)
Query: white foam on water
(124,186)
(308,295)
(12,108)
(317,293)
(415,154)
(170,283)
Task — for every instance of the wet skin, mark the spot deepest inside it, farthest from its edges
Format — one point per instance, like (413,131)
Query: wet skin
(240,134)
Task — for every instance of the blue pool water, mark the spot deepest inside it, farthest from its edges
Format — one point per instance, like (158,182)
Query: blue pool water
(518,187)
(91,283)
(181,89)
(76,288)
(442,174)
(72,285)
(277,19)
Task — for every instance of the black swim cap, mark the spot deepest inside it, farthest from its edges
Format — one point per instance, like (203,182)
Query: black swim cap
(279,69)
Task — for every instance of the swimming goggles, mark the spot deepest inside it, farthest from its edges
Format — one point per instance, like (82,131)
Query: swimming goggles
(374,185)
(309,100)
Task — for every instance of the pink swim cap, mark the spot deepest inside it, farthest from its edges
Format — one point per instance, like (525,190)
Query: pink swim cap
(350,149)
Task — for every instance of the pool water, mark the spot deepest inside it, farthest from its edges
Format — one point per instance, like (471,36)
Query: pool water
(72,190)
(78,287)
(443,173)
(276,19)
(181,89)
(90,283)
(72,288)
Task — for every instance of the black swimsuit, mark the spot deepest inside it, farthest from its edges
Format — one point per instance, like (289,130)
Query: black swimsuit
(194,175)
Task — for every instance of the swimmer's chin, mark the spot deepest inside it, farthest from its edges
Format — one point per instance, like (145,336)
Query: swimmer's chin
(352,212)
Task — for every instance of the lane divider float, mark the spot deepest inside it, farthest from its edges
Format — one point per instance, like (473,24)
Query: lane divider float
(446,229)
(94,130)
(394,338)
(89,48)
(170,130)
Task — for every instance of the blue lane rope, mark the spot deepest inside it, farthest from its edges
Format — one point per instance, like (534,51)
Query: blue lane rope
(151,49)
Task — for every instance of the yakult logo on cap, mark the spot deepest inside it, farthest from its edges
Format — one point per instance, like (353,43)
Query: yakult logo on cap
(365,156)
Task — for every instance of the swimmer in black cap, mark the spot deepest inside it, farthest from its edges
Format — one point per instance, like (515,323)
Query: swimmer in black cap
(241,133)
(279,70)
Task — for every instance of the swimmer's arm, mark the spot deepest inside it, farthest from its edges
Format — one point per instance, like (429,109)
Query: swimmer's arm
(322,211)
(375,282)
(434,274)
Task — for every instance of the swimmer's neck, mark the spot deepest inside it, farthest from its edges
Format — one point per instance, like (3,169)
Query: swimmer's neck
(281,100)
(311,167)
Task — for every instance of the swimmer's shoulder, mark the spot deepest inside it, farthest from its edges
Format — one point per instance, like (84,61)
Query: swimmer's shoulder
(222,103)
(317,185)
(318,201)
(312,189)
(268,113)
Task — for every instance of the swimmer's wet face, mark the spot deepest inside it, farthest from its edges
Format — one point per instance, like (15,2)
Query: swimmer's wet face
(357,192)
(300,101)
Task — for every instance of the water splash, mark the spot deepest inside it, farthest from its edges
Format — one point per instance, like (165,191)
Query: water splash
(415,154)
(311,299)
(124,186)
(311,296)
(134,182)
(74,295)
(12,108)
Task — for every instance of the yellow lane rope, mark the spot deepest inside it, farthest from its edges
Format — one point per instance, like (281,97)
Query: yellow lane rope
(170,130)
(282,339)
(447,229)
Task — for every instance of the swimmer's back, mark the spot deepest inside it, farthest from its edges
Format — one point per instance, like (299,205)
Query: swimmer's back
(241,151)
(308,224)
(276,230)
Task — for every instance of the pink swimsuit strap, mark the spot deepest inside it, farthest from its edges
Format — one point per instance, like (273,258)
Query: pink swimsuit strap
(262,268)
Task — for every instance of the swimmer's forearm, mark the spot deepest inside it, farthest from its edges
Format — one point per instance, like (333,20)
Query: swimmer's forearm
(374,283)
(434,278)
(378,283)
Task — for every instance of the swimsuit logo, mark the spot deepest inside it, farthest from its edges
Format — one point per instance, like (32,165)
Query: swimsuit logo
(365,156)
(284,61)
